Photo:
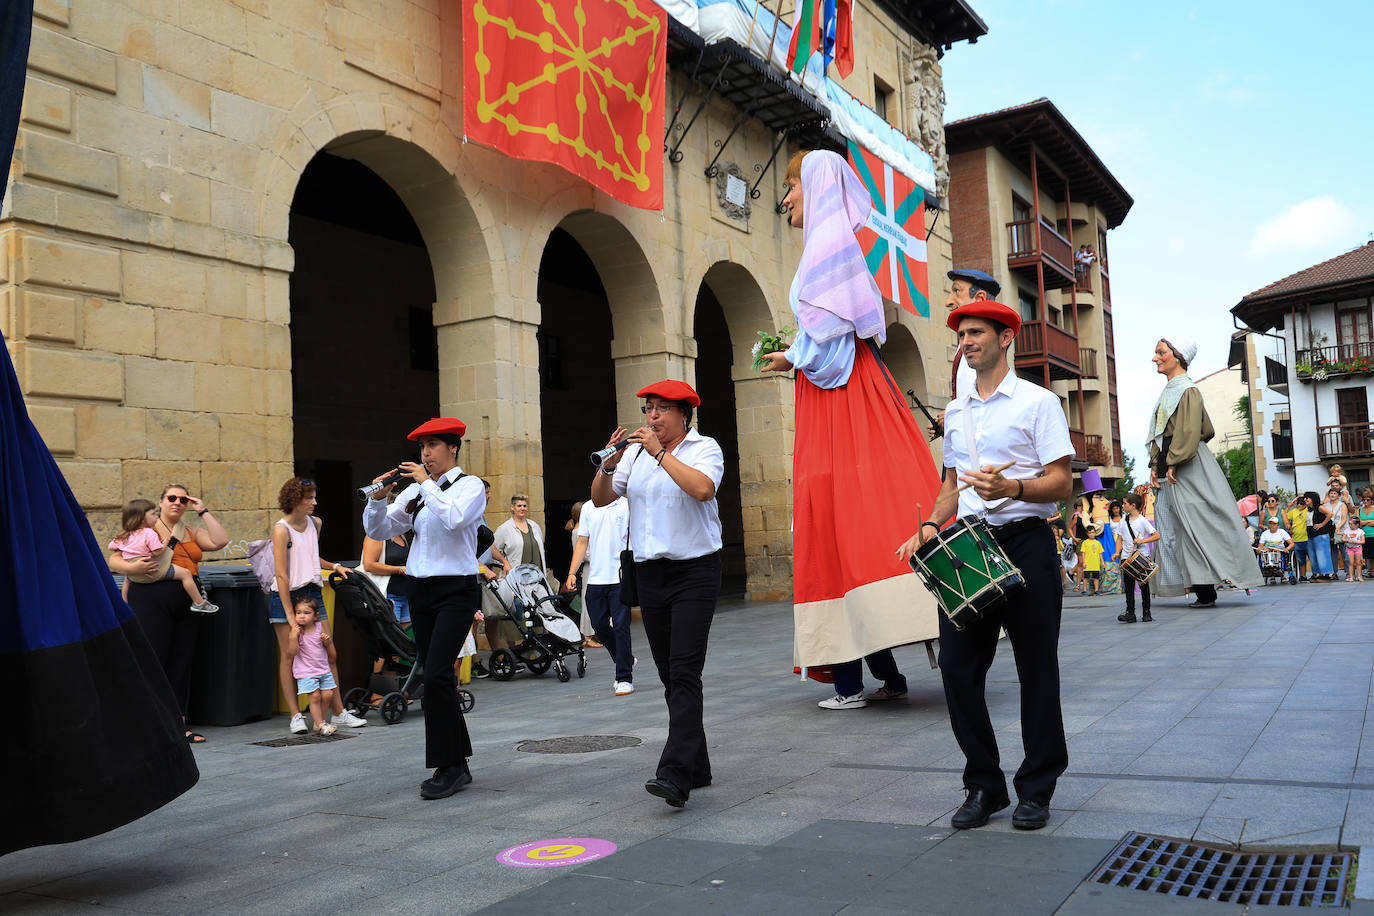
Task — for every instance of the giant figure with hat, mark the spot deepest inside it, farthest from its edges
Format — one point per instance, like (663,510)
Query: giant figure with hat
(1008,448)
(444,507)
(1201,538)
(861,466)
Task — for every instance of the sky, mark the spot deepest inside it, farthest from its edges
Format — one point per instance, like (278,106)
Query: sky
(1243,131)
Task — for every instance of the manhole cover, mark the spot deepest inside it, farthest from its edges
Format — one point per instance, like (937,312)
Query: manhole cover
(295,740)
(1184,869)
(578,744)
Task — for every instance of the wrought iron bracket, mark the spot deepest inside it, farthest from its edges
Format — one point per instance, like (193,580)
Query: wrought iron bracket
(675,154)
(711,169)
(754,192)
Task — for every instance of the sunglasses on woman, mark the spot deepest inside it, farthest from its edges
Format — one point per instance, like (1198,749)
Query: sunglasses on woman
(173,498)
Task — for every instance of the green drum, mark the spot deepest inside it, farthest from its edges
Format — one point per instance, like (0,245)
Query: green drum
(968,571)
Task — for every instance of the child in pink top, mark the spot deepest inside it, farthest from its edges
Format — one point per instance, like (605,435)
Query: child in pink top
(309,651)
(1353,535)
(139,539)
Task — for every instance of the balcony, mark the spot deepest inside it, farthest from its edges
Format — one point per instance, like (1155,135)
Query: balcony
(1031,244)
(1079,440)
(1118,454)
(1276,375)
(1040,343)
(1347,440)
(1321,363)
(1094,452)
(1281,447)
(1087,361)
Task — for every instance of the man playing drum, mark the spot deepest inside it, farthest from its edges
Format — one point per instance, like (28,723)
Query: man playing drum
(1006,422)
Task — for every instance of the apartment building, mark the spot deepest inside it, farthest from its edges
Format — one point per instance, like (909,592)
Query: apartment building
(1028,199)
(1313,331)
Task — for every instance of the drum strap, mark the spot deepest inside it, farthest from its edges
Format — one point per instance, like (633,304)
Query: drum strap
(971,446)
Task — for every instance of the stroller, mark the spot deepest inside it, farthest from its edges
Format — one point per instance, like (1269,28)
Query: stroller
(1274,564)
(400,682)
(549,634)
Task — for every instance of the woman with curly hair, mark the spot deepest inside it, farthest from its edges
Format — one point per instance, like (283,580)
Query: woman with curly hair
(296,550)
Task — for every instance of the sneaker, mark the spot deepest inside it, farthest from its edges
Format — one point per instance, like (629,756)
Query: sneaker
(204,607)
(479,670)
(298,726)
(346,719)
(624,688)
(883,693)
(856,701)
(325,729)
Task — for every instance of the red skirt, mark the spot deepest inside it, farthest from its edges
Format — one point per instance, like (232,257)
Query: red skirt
(863,478)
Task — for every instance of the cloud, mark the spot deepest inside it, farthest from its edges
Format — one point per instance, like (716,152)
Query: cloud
(1318,222)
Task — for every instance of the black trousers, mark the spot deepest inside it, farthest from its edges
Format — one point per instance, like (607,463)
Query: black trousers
(1205,593)
(1128,583)
(163,610)
(441,611)
(677,600)
(1032,625)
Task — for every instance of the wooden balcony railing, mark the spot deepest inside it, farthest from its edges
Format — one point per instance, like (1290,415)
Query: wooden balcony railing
(1022,243)
(1320,363)
(1079,440)
(1087,361)
(1083,282)
(1347,440)
(1275,373)
(1040,339)
(1094,451)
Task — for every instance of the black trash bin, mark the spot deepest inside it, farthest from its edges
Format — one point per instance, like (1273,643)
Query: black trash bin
(235,669)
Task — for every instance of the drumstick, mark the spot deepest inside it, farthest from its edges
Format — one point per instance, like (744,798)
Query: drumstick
(997,470)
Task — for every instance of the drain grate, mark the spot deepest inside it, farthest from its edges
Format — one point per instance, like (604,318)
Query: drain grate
(1185,869)
(296,740)
(579,744)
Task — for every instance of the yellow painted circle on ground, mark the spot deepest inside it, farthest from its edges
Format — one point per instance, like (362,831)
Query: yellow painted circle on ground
(546,853)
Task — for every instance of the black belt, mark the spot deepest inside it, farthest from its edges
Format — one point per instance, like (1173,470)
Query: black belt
(1020,526)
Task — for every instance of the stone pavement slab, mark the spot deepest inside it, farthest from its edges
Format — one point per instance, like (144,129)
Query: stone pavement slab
(1244,725)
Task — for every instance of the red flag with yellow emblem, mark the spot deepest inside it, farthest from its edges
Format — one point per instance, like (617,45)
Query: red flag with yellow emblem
(579,83)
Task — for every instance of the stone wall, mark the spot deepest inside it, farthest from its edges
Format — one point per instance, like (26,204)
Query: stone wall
(144,263)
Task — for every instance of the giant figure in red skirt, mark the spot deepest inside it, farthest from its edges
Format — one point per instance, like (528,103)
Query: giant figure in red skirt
(861,468)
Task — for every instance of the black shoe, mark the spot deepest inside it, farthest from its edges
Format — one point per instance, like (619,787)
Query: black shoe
(480,670)
(665,790)
(1146,617)
(446,781)
(1200,604)
(1128,617)
(1030,815)
(977,808)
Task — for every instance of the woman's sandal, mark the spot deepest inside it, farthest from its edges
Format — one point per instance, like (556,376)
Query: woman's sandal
(194,738)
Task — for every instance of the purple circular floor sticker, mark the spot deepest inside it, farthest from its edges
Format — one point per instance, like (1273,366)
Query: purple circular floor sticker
(556,853)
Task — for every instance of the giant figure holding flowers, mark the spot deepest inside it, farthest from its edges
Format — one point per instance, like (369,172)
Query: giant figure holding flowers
(861,467)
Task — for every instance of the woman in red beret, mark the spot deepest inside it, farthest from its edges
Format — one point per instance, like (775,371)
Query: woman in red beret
(670,474)
(861,467)
(444,507)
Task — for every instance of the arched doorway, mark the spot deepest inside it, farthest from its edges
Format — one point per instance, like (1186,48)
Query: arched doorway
(364,358)
(577,401)
(717,418)
(903,357)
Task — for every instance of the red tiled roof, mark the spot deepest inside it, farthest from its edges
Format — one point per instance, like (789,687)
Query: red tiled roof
(1350,267)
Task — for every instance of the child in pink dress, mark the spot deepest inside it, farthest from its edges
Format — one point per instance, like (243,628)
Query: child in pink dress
(309,651)
(140,539)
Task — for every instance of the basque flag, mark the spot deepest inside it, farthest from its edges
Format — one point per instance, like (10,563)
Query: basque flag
(894,240)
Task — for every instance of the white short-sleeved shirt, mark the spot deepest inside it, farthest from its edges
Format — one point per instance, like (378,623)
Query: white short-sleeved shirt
(1274,539)
(1132,529)
(604,528)
(1019,422)
(965,377)
(665,522)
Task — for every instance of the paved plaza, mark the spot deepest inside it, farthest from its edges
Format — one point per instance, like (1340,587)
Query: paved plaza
(1244,724)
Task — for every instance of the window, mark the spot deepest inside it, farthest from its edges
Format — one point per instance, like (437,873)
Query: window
(1019,208)
(1056,317)
(1028,304)
(1352,331)
(1101,246)
(885,101)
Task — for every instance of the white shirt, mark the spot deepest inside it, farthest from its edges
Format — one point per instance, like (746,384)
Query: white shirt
(445,528)
(665,522)
(1133,528)
(1019,422)
(605,529)
(1274,539)
(965,377)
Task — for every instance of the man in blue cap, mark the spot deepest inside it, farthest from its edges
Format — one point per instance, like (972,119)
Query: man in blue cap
(969,285)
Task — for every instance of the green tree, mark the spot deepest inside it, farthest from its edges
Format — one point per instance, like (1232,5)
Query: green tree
(1239,466)
(1241,411)
(1127,482)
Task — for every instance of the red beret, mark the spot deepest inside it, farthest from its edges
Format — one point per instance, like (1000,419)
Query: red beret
(438,426)
(986,308)
(671,390)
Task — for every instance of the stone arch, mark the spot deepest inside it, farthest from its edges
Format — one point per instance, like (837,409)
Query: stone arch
(903,357)
(756,437)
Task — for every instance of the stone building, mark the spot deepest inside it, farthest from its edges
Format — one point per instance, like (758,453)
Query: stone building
(1027,192)
(247,239)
